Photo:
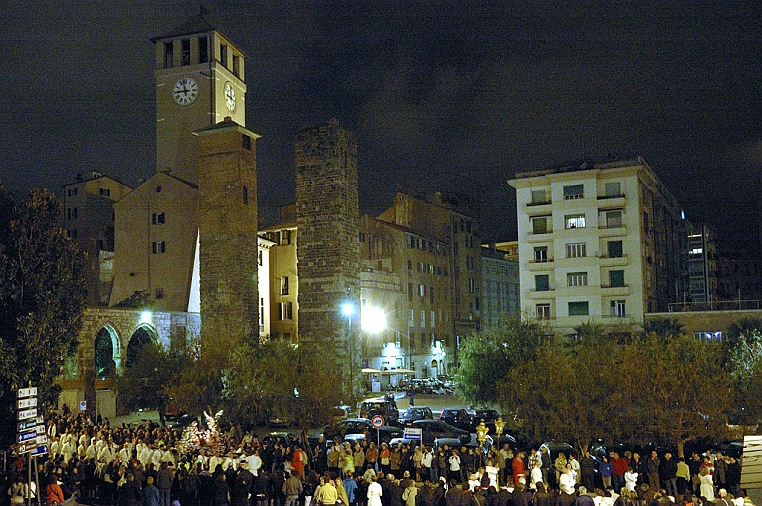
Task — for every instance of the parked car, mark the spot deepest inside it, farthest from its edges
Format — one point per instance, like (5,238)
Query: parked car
(359,426)
(414,413)
(457,417)
(489,416)
(555,448)
(436,432)
(384,406)
(179,421)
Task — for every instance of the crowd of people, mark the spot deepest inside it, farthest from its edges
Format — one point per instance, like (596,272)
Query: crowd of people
(91,462)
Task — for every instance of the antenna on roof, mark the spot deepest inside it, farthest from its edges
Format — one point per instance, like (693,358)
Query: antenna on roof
(203,10)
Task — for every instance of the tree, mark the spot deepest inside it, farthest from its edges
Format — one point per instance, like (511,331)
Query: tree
(42,296)
(565,393)
(745,367)
(488,356)
(297,382)
(663,327)
(678,387)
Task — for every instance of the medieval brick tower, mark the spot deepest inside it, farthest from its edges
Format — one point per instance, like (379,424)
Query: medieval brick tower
(227,185)
(328,252)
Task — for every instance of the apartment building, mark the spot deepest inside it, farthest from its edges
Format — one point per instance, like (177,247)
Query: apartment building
(598,242)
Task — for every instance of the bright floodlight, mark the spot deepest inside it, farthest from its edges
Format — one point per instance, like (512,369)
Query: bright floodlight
(373,320)
(347,309)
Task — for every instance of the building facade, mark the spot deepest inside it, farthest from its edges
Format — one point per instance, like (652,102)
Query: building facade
(500,282)
(598,242)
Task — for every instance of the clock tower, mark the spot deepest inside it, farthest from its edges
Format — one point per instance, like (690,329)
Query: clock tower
(199,81)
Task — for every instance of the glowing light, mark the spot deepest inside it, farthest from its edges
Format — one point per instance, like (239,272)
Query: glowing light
(347,309)
(145,317)
(373,319)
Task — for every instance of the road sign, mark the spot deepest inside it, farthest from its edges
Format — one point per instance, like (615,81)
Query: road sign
(413,434)
(42,439)
(29,402)
(83,405)
(377,421)
(27,392)
(27,414)
(27,436)
(26,425)
(40,450)
(27,447)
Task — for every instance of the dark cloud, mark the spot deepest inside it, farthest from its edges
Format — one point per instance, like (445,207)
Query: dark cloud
(443,95)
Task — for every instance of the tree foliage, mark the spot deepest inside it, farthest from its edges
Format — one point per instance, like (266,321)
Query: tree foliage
(42,296)
(487,357)
(297,382)
(745,367)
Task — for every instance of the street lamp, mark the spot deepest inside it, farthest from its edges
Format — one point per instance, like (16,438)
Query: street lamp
(499,425)
(481,436)
(347,311)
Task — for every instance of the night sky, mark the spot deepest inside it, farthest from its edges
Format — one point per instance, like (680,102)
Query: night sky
(443,95)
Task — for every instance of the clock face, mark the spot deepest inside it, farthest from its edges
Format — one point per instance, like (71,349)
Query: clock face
(230,96)
(185,91)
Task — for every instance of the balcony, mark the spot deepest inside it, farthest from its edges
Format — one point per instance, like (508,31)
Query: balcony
(607,261)
(615,291)
(612,231)
(546,202)
(535,238)
(544,265)
(542,294)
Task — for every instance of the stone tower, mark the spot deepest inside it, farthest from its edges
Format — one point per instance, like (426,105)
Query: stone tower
(227,214)
(328,252)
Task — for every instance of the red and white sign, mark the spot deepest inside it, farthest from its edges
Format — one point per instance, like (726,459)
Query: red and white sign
(377,421)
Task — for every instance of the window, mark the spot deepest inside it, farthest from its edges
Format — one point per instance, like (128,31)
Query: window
(611,219)
(159,293)
(157,218)
(618,308)
(246,142)
(615,249)
(543,311)
(539,197)
(284,285)
(236,65)
(410,265)
(431,294)
(409,291)
(576,250)
(714,337)
(411,322)
(578,309)
(260,258)
(421,290)
(540,225)
(574,221)
(423,318)
(224,55)
(285,310)
(203,50)
(412,242)
(158,247)
(542,282)
(541,254)
(576,279)
(185,46)
(261,310)
(432,319)
(573,192)
(169,54)
(613,189)
(471,285)
(616,278)
(105,192)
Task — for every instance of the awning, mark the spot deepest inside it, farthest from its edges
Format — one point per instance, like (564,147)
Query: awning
(398,371)
(370,371)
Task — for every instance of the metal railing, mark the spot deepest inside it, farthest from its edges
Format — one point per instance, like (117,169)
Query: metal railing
(715,305)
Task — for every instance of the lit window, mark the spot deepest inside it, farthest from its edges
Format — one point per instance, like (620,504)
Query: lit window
(158,247)
(574,221)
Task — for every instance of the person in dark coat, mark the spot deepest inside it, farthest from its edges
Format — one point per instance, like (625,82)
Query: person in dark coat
(241,486)
(130,493)
(220,491)
(151,496)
